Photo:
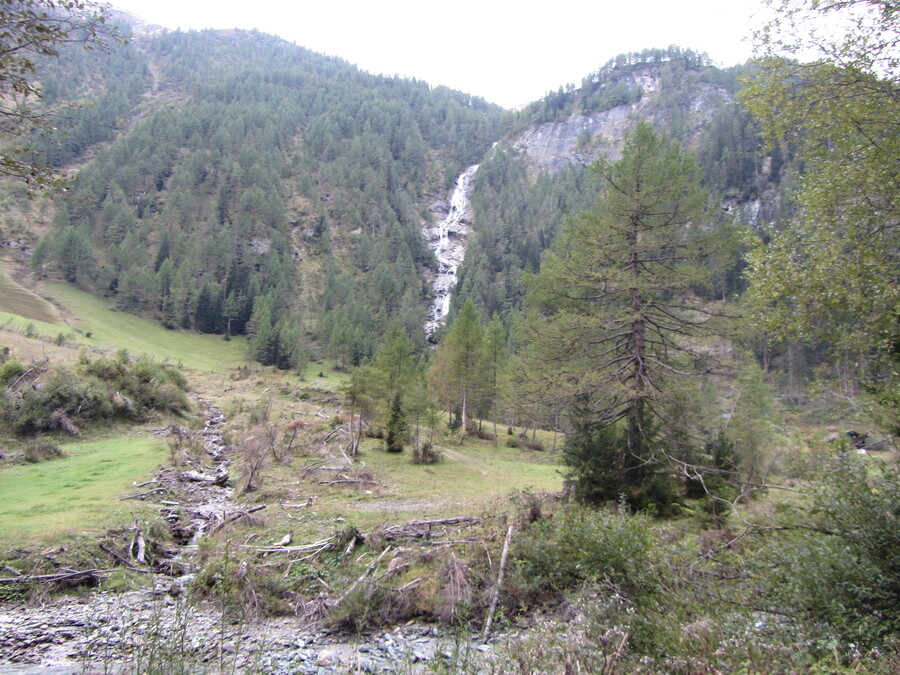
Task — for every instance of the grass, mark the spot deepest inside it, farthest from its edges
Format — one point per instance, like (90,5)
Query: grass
(472,480)
(118,330)
(20,302)
(76,493)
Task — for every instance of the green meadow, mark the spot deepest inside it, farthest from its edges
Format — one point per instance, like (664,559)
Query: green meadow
(110,329)
(78,492)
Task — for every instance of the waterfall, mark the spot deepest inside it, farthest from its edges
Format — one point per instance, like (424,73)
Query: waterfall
(448,241)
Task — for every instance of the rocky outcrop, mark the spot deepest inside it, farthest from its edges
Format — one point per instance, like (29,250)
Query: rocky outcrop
(583,139)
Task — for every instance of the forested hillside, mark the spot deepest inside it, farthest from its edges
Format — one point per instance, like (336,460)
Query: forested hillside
(229,182)
(247,178)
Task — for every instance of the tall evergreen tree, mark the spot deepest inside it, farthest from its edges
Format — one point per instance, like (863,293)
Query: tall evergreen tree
(612,323)
(397,426)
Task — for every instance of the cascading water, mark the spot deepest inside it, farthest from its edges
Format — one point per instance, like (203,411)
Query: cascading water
(448,241)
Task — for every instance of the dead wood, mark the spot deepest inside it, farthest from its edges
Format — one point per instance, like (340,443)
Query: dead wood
(318,545)
(138,547)
(196,477)
(423,529)
(445,521)
(371,566)
(496,593)
(38,367)
(332,433)
(143,494)
(311,467)
(350,481)
(409,585)
(83,576)
(236,516)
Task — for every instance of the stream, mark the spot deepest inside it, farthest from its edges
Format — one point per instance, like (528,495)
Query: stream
(158,628)
(448,240)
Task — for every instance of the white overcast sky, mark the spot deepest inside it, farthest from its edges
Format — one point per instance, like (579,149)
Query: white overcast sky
(508,52)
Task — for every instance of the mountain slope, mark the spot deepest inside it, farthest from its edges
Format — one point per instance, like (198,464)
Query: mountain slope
(230,182)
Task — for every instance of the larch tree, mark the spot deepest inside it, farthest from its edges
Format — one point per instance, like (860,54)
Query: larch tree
(456,373)
(496,357)
(613,325)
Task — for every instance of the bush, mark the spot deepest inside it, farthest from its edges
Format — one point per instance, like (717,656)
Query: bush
(425,453)
(841,573)
(41,451)
(11,371)
(580,545)
(63,398)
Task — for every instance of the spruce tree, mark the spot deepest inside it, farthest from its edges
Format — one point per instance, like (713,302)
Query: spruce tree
(397,426)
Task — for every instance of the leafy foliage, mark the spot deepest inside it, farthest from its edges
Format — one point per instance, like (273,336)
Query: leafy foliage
(578,546)
(30,32)
(830,274)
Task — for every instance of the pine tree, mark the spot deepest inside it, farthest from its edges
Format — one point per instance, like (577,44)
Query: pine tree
(611,322)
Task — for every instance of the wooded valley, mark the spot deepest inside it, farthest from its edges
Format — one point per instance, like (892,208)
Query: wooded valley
(651,427)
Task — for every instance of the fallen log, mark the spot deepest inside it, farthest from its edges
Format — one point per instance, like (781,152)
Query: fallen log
(421,529)
(348,480)
(51,578)
(444,521)
(235,516)
(196,477)
(143,494)
(324,543)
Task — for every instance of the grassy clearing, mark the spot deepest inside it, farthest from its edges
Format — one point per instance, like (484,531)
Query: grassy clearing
(18,301)
(473,479)
(472,474)
(77,493)
(118,330)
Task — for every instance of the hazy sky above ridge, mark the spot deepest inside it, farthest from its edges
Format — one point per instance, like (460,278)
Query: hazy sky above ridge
(509,53)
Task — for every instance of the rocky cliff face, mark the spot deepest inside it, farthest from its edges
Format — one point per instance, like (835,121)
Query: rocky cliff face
(584,138)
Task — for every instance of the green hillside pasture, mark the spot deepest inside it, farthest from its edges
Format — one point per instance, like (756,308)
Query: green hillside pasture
(470,479)
(78,493)
(116,330)
(20,302)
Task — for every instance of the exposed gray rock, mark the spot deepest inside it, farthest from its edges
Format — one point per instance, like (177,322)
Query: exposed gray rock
(583,139)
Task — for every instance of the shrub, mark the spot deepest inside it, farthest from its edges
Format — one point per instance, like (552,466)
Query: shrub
(11,371)
(579,545)
(41,451)
(64,398)
(425,453)
(843,574)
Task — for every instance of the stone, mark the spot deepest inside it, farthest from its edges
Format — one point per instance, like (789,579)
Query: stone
(325,659)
